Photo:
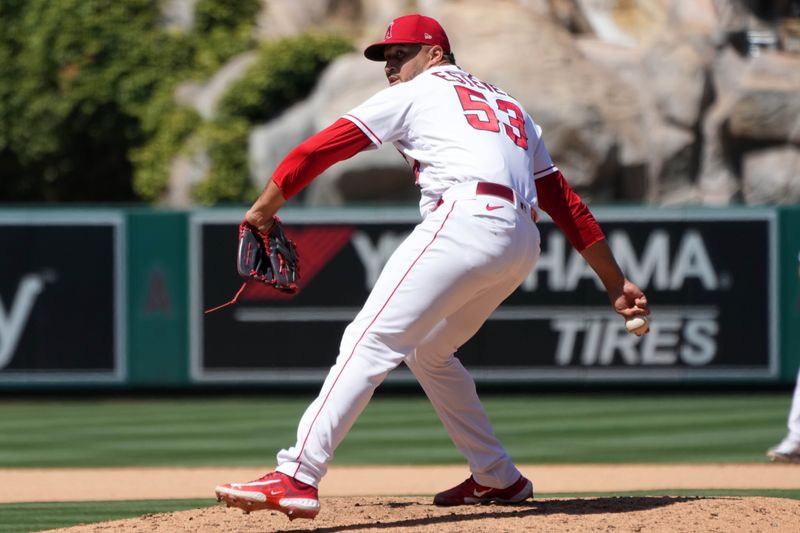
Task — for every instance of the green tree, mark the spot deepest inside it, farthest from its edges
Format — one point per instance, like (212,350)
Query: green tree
(76,72)
(283,73)
(222,29)
(87,110)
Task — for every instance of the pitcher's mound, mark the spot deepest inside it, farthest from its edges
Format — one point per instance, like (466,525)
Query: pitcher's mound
(668,514)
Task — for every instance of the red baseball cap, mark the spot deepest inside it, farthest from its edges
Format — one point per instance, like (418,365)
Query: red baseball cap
(410,29)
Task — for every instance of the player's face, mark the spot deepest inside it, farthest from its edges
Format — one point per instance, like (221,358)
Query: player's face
(404,62)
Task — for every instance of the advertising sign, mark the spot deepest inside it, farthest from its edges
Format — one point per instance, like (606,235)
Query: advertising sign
(62,307)
(708,276)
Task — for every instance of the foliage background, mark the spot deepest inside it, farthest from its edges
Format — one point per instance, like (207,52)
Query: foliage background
(87,111)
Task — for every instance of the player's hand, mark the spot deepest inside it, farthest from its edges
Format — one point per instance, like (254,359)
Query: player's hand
(630,302)
(261,214)
(259,220)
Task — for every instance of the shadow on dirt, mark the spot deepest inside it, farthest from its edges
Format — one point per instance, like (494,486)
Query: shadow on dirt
(574,506)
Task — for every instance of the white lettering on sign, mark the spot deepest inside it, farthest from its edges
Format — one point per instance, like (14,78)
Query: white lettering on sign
(14,319)
(661,265)
(700,346)
(652,268)
(604,342)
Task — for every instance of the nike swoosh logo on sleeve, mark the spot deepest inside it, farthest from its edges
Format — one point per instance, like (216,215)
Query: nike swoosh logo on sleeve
(492,207)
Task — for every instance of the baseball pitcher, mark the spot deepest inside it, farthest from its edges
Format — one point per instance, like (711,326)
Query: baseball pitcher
(483,173)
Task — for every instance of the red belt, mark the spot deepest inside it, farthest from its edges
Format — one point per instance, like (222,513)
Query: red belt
(495,189)
(501,191)
(492,189)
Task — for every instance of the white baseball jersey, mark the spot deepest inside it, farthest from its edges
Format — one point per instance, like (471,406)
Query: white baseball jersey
(472,249)
(454,128)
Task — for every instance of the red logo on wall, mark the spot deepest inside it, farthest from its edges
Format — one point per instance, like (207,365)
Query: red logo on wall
(315,248)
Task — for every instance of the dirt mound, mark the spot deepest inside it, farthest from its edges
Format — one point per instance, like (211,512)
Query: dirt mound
(668,514)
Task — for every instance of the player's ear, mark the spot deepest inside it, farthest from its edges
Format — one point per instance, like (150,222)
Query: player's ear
(435,53)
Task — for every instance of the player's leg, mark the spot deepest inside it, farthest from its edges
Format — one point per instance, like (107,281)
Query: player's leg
(367,353)
(363,362)
(432,274)
(788,450)
(794,413)
(451,390)
(452,393)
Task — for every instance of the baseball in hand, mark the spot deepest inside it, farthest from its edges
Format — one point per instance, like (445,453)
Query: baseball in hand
(637,325)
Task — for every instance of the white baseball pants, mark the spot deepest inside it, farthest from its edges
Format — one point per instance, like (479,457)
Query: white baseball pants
(434,293)
(794,413)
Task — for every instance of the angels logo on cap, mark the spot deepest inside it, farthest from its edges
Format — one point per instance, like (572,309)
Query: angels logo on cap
(410,29)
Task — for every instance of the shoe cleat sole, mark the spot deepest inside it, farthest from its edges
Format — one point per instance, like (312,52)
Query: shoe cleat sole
(783,458)
(259,502)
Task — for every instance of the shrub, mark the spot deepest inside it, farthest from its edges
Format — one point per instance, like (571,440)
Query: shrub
(228,176)
(87,111)
(284,72)
(81,92)
(222,29)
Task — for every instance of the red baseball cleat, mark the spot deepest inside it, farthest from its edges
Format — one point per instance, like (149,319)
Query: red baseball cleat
(469,492)
(788,451)
(274,491)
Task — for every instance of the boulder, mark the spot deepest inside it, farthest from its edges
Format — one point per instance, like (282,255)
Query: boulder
(283,18)
(695,16)
(178,15)
(766,106)
(615,129)
(374,176)
(621,22)
(589,118)
(669,93)
(772,175)
(186,171)
(642,100)
(344,84)
(583,111)
(567,13)
(673,162)
(717,182)
(268,144)
(677,75)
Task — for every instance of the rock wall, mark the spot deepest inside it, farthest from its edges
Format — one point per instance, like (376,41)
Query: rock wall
(662,102)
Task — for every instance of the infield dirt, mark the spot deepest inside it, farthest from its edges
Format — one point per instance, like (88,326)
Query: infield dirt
(653,514)
(399,499)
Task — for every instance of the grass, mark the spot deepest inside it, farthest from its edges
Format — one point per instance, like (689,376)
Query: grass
(26,517)
(224,431)
(547,429)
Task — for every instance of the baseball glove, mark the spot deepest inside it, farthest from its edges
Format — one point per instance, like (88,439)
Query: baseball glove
(270,258)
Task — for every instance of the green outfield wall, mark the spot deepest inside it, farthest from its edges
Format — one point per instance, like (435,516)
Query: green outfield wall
(113,299)
(789,290)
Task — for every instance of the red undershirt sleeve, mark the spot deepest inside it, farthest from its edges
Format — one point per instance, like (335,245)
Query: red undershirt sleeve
(568,211)
(339,141)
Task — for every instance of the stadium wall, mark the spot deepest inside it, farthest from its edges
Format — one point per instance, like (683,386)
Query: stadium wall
(96,298)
